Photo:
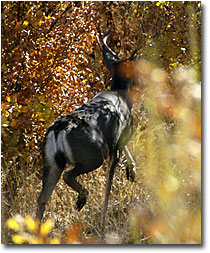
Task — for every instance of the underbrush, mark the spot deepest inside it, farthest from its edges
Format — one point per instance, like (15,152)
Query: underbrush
(61,207)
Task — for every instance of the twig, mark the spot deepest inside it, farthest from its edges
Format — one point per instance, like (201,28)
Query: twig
(53,24)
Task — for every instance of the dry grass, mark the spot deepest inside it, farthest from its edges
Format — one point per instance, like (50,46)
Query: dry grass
(162,206)
(61,207)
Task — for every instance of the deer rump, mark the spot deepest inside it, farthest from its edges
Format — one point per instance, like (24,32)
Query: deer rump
(89,134)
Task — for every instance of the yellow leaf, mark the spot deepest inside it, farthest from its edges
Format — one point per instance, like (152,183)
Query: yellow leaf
(35,240)
(59,68)
(13,224)
(46,227)
(54,241)
(7,113)
(25,23)
(8,99)
(17,239)
(31,224)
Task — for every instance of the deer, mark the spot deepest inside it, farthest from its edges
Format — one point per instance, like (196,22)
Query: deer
(97,130)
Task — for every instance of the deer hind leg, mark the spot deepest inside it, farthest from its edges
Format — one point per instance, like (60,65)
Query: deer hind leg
(69,178)
(49,183)
(51,176)
(115,161)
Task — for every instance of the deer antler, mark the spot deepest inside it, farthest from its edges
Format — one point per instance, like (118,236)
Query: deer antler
(141,44)
(144,40)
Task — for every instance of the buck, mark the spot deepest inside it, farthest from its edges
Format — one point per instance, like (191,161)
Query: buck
(95,131)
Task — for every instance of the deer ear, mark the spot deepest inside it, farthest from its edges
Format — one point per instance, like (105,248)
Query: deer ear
(110,57)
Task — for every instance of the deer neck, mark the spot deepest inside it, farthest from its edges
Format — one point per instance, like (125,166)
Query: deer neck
(122,87)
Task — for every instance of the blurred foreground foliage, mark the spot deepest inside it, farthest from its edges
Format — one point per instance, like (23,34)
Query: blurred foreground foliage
(29,231)
(168,152)
(52,63)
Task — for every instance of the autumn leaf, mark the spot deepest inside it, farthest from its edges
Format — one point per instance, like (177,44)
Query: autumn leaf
(25,23)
